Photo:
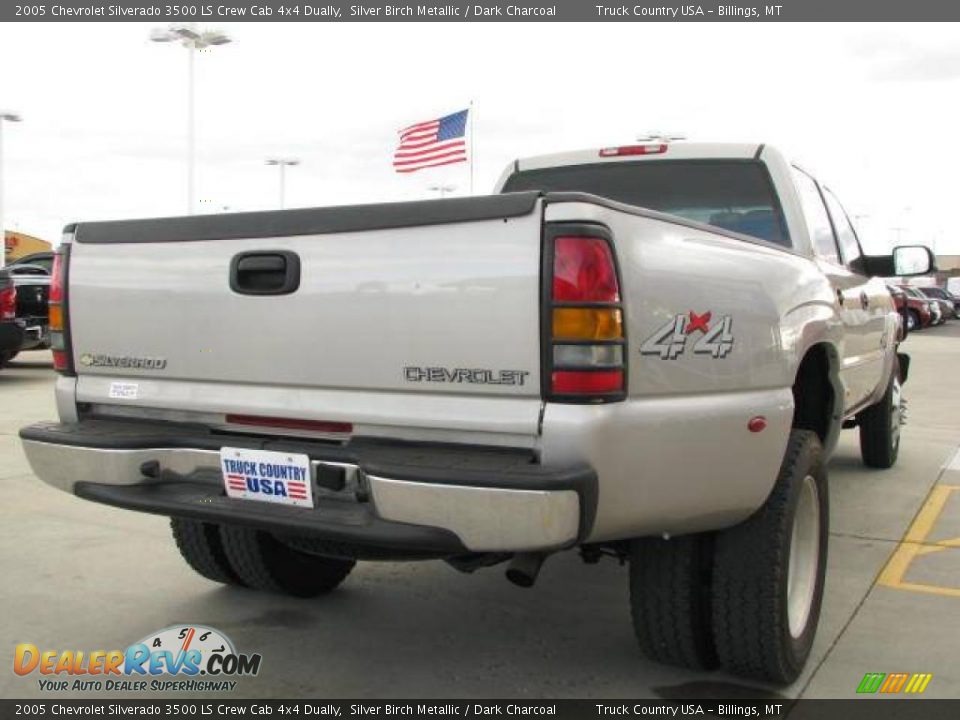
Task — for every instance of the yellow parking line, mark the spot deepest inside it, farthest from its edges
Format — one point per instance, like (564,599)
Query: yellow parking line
(928,589)
(914,544)
(938,545)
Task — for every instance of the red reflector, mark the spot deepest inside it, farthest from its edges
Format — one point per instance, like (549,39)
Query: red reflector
(757,424)
(61,361)
(578,382)
(583,271)
(291,423)
(634,150)
(56,279)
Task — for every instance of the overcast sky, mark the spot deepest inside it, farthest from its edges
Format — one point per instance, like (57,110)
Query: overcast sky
(871,109)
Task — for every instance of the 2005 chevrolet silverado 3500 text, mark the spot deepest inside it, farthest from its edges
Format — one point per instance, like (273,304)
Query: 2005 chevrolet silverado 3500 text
(643,351)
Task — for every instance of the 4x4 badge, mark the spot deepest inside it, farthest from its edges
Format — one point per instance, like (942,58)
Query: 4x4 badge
(670,339)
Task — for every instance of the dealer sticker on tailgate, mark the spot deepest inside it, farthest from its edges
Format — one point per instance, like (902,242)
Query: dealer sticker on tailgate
(268,476)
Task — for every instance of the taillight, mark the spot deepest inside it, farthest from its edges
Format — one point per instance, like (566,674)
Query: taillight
(583,317)
(8,303)
(583,271)
(58,315)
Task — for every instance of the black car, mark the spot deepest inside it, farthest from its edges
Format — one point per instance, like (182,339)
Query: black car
(29,289)
(11,332)
(39,259)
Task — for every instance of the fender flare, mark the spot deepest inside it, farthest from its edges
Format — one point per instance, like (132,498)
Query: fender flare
(825,333)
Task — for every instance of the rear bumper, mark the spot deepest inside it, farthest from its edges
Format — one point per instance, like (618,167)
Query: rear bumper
(11,336)
(36,335)
(404,499)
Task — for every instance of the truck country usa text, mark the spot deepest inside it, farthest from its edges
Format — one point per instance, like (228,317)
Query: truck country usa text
(265,470)
(474,376)
(672,11)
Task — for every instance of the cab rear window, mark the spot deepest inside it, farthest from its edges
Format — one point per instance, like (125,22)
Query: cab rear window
(733,195)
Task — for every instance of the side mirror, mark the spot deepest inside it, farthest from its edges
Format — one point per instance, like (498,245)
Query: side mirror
(912,260)
(903,261)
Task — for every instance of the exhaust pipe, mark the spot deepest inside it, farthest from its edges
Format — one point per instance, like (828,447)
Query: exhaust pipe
(524,568)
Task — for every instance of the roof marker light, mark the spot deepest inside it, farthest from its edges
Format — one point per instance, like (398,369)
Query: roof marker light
(655,149)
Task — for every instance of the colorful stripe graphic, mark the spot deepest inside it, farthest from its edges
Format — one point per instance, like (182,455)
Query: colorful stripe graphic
(892,683)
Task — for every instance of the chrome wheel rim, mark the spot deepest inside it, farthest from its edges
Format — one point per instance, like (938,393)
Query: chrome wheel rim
(804,557)
(911,322)
(896,413)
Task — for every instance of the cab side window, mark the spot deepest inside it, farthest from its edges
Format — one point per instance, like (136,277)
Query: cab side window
(818,221)
(846,235)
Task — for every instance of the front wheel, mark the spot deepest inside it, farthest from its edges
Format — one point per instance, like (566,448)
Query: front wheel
(880,427)
(768,572)
(913,320)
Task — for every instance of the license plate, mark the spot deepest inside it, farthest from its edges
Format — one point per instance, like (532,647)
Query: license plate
(267,476)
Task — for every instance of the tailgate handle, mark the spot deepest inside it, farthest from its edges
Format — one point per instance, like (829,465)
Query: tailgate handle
(265,273)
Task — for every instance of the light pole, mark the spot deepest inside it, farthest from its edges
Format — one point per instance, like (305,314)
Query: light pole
(5,116)
(193,39)
(442,189)
(283,163)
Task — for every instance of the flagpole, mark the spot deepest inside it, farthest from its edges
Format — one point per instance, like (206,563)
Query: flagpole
(472,118)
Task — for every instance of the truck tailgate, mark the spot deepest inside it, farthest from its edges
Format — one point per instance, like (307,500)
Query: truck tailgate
(438,297)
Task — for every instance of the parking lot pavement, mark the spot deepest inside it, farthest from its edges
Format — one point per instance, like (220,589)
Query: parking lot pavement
(78,575)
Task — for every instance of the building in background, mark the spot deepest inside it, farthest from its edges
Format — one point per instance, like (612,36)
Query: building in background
(947,266)
(20,244)
(947,275)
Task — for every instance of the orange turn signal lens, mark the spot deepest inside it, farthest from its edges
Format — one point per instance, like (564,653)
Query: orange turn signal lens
(56,318)
(587,324)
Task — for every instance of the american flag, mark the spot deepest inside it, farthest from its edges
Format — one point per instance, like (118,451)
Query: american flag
(432,143)
(237,482)
(297,490)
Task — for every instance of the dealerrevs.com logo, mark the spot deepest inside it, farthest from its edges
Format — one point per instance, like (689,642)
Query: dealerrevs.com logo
(177,658)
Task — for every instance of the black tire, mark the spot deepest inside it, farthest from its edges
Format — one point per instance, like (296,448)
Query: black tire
(913,320)
(906,326)
(200,545)
(752,565)
(265,563)
(670,600)
(880,428)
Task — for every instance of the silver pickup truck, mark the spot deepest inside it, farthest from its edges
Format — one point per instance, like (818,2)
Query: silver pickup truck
(644,352)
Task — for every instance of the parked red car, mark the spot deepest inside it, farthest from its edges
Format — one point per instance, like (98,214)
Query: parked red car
(919,314)
(900,303)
